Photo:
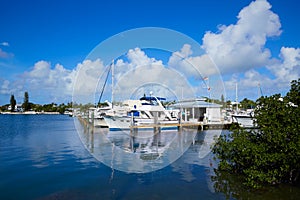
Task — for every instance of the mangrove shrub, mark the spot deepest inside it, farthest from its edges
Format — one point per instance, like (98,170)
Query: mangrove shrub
(271,153)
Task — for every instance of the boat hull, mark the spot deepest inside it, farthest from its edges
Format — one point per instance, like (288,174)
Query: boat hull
(126,123)
(244,121)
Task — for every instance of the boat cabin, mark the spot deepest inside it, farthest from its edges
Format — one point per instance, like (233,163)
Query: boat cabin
(198,110)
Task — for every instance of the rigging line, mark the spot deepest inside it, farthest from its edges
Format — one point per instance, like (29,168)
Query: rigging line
(104,83)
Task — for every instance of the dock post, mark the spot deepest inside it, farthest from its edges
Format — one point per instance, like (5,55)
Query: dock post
(93,117)
(156,127)
(179,120)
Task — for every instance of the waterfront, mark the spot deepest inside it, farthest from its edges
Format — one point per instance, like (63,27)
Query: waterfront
(42,157)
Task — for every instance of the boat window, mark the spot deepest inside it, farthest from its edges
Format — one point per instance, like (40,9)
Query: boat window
(146,104)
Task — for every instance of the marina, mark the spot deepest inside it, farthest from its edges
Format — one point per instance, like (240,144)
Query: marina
(149,113)
(149,100)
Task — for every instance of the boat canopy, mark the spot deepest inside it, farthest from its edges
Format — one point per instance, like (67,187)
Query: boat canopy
(153,98)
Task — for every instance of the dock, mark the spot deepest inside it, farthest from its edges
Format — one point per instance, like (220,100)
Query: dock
(200,125)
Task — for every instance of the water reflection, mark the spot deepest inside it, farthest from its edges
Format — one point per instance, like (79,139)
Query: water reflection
(136,151)
(231,185)
(199,154)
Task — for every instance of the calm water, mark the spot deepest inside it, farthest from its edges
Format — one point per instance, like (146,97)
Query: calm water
(42,157)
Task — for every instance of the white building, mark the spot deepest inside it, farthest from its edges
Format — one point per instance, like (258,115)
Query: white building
(198,110)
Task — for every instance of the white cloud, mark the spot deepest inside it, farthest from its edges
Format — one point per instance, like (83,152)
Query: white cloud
(142,74)
(288,67)
(86,77)
(250,85)
(275,78)
(240,50)
(135,75)
(137,57)
(239,47)
(46,83)
(192,66)
(6,44)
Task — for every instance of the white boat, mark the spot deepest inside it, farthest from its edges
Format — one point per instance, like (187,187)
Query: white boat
(99,112)
(146,113)
(96,114)
(244,119)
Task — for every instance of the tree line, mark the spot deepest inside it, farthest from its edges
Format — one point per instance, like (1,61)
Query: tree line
(29,106)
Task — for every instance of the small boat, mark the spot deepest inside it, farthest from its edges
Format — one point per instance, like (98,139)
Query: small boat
(244,119)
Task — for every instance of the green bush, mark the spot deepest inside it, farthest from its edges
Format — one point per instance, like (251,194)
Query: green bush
(271,153)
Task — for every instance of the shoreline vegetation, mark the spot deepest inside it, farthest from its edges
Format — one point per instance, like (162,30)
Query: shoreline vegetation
(28,107)
(31,113)
(269,155)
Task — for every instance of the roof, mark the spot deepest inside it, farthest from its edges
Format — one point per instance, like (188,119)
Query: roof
(195,103)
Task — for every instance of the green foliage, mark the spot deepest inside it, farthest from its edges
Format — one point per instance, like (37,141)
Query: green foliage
(26,105)
(53,107)
(13,102)
(270,154)
(247,104)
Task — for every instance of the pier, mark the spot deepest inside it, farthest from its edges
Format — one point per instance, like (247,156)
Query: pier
(200,125)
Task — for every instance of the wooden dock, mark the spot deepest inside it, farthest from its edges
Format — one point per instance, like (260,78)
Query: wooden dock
(199,125)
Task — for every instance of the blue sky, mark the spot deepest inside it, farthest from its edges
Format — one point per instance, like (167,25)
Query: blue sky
(53,33)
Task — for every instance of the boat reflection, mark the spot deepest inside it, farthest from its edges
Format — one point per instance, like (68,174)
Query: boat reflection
(135,151)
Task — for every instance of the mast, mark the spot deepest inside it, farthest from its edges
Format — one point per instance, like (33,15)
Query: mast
(107,75)
(112,82)
(236,96)
(260,94)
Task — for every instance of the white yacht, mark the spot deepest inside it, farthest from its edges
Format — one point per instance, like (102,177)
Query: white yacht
(146,113)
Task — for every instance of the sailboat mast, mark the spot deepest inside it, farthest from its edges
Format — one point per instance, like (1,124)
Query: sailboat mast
(112,82)
(260,94)
(236,96)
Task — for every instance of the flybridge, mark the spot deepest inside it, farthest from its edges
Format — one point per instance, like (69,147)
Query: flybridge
(153,98)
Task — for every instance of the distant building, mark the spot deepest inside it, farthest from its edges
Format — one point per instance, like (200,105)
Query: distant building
(18,108)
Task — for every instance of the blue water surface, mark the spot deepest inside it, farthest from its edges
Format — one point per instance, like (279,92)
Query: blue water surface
(42,157)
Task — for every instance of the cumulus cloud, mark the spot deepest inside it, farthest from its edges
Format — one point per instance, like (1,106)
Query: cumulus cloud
(53,83)
(142,74)
(239,51)
(88,75)
(192,65)
(241,46)
(46,83)
(288,67)
(135,75)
